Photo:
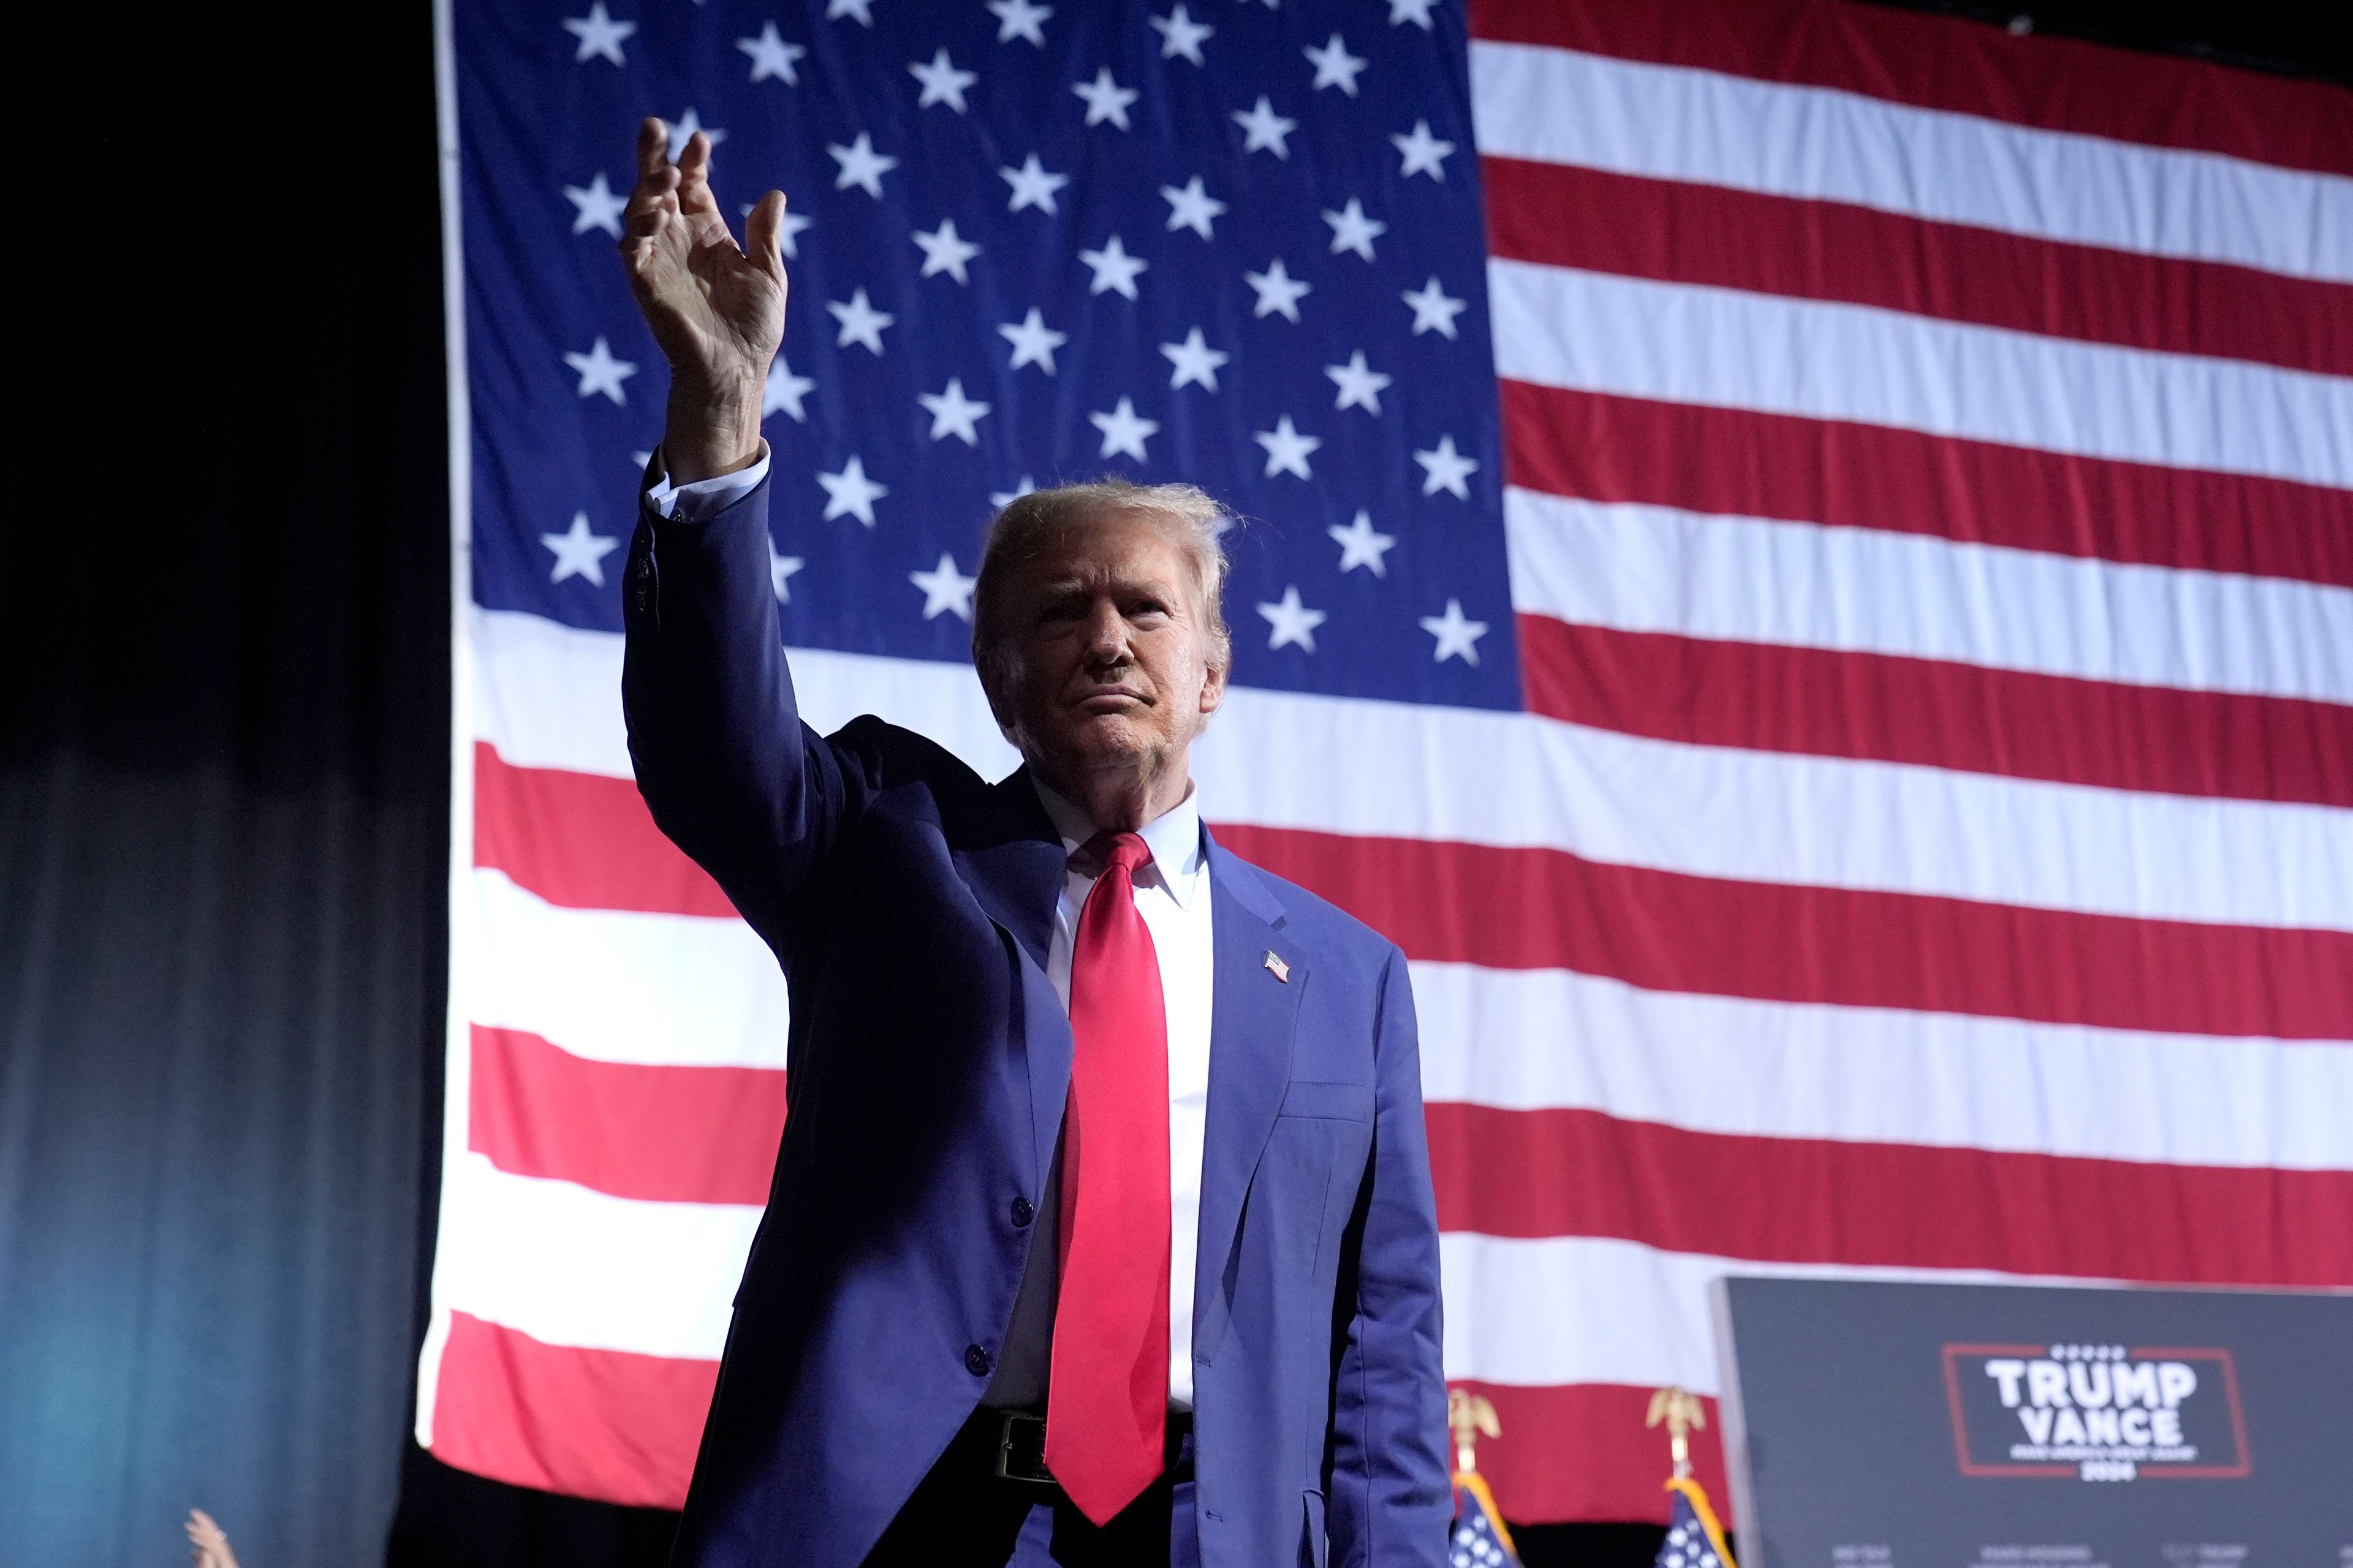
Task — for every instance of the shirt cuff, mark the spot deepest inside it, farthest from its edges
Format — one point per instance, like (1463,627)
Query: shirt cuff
(706,499)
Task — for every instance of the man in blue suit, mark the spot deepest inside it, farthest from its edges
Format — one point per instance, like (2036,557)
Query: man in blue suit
(1101,1229)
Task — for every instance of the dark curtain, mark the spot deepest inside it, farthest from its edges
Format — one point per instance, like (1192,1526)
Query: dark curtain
(223,778)
(224,760)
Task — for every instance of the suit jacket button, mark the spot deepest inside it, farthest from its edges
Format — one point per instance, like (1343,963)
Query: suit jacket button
(976,1360)
(1022,1212)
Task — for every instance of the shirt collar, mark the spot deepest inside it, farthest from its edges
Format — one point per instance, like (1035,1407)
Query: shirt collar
(1174,836)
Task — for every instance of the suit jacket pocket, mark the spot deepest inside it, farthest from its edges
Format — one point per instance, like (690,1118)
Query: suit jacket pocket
(1328,1101)
(1315,1549)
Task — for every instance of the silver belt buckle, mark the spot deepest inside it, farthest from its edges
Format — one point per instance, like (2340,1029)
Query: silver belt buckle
(1021,1450)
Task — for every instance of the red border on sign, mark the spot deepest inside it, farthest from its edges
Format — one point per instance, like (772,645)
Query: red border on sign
(2146,1472)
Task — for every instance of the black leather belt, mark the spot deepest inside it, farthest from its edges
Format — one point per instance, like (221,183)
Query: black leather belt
(1020,1447)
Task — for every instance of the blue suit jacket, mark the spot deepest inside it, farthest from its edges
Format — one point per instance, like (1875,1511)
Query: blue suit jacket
(910,904)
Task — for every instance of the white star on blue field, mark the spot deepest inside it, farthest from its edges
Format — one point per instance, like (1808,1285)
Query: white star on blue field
(1238,245)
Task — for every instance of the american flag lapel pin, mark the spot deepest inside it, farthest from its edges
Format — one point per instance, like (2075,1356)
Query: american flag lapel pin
(1281,970)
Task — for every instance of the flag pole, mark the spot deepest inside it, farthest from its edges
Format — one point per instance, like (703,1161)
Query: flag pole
(1681,1410)
(1470,1416)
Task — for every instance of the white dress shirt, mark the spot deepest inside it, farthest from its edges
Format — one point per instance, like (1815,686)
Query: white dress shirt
(1172,894)
(706,498)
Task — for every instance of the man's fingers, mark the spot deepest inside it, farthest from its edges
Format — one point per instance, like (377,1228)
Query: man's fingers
(656,192)
(653,201)
(764,233)
(695,163)
(697,203)
(694,194)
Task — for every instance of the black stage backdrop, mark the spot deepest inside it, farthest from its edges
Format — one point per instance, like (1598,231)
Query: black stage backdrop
(224,631)
(224,699)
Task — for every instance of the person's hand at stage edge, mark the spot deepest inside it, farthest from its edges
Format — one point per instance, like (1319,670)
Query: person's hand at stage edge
(717,308)
(208,1542)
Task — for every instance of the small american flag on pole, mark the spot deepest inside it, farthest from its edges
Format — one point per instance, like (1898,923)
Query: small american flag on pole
(1481,1538)
(1693,1540)
(1799,560)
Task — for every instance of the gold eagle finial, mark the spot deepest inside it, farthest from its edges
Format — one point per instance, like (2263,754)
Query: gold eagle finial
(1680,1410)
(1470,1416)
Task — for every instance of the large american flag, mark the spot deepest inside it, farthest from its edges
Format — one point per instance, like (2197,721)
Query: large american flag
(1799,558)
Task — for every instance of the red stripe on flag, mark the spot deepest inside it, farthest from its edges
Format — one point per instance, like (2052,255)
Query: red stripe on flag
(667,1134)
(1545,909)
(1965,67)
(608,1425)
(1579,1452)
(1735,462)
(1811,1200)
(583,841)
(1938,713)
(1681,232)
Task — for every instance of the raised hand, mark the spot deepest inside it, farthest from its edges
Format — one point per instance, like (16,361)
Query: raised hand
(207,1546)
(717,308)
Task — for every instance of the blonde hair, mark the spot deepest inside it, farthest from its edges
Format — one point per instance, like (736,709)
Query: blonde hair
(1191,518)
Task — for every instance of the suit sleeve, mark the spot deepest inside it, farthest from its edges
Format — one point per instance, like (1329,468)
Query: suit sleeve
(1390,1501)
(727,767)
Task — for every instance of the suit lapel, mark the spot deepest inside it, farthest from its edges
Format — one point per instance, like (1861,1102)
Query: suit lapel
(1013,863)
(1254,1016)
(1014,866)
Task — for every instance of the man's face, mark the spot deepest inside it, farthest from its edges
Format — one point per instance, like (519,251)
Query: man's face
(1109,653)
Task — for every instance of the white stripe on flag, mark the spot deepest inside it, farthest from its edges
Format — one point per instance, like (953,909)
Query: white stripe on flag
(550,696)
(1544,1039)
(1672,122)
(1582,1308)
(1729,348)
(1640,568)
(1771,817)
(1627,800)
(547,695)
(621,987)
(571,1267)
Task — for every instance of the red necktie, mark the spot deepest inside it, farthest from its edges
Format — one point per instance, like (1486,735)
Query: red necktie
(1107,1401)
